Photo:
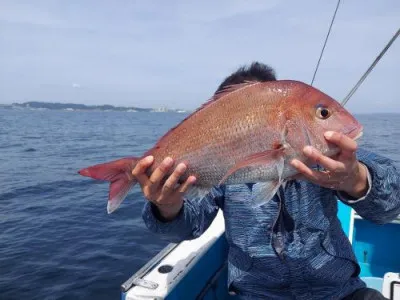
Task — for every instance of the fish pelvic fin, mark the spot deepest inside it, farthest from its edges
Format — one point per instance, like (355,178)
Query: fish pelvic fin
(264,192)
(268,189)
(119,174)
(198,192)
(273,158)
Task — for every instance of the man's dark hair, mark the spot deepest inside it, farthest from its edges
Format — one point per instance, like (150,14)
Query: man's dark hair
(255,72)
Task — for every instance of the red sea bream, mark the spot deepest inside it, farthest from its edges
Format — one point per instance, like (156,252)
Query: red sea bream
(246,133)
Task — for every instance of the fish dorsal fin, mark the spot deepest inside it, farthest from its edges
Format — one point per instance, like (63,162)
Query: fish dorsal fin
(226,91)
(232,88)
(217,96)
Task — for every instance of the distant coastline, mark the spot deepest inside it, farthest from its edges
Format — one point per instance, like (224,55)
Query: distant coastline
(36,105)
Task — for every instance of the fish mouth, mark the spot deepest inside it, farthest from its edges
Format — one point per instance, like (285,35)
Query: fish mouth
(355,133)
(358,136)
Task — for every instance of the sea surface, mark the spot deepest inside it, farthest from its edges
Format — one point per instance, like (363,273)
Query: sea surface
(56,239)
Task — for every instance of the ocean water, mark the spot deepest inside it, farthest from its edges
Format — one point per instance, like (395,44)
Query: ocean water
(56,239)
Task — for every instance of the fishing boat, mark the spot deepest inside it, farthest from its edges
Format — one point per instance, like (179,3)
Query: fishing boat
(197,269)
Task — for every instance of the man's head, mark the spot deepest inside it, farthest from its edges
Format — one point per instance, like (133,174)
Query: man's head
(255,72)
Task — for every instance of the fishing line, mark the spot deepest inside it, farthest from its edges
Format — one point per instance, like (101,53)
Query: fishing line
(326,40)
(353,90)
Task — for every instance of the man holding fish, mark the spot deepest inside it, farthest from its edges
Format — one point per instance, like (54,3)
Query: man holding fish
(255,151)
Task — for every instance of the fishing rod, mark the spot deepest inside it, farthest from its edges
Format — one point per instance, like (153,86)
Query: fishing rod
(377,59)
(354,89)
(326,40)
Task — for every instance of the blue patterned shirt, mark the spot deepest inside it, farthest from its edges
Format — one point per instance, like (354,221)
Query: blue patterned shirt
(293,246)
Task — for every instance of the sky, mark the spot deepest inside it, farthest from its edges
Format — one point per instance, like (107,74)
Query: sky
(175,53)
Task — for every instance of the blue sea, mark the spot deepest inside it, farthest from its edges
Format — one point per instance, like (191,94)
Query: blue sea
(56,239)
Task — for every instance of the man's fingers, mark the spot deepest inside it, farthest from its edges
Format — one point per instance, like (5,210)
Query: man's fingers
(296,177)
(345,143)
(159,173)
(173,179)
(326,162)
(139,172)
(302,168)
(187,184)
(307,173)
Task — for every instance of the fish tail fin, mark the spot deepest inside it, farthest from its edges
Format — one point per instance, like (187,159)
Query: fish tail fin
(119,174)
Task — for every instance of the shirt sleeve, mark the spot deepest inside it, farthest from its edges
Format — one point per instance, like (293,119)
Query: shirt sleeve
(350,200)
(381,204)
(193,219)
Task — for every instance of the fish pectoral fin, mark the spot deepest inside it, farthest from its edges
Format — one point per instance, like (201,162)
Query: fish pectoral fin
(265,192)
(273,158)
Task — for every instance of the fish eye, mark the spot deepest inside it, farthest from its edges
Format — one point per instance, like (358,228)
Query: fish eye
(323,113)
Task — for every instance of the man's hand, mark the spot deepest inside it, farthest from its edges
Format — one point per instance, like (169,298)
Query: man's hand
(343,172)
(167,196)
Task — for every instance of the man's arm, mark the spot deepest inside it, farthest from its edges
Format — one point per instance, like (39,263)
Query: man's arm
(192,220)
(167,211)
(367,182)
(381,204)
